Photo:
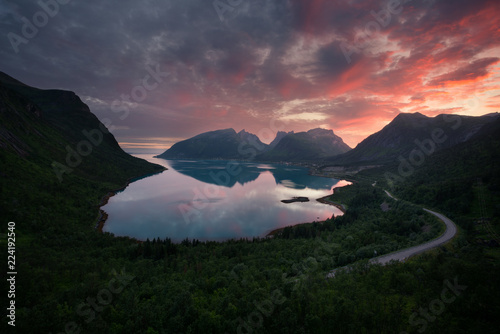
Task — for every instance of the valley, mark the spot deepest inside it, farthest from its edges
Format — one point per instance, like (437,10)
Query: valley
(187,283)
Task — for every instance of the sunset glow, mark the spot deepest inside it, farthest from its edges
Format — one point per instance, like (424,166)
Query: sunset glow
(341,65)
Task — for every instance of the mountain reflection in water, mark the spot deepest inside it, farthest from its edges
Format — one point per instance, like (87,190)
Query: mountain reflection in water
(217,200)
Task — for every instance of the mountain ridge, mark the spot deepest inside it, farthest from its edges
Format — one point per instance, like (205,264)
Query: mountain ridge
(407,132)
(279,135)
(217,144)
(56,130)
(314,144)
(228,144)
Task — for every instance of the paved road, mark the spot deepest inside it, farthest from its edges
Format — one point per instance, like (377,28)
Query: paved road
(389,194)
(449,233)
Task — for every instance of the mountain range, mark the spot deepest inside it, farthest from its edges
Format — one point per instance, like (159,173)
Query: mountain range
(228,144)
(55,128)
(406,136)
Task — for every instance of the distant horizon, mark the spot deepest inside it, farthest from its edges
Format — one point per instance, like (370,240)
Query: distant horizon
(158,150)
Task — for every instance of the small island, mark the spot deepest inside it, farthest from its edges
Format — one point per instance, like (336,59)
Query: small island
(295,199)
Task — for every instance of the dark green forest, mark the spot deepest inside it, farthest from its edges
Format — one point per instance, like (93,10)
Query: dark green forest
(74,279)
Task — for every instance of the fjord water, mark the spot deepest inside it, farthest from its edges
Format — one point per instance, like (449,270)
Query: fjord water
(217,200)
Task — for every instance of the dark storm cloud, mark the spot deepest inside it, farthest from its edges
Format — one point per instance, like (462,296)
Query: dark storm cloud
(331,61)
(320,16)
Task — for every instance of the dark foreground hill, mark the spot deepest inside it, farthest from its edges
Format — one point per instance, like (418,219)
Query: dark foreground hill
(49,143)
(452,178)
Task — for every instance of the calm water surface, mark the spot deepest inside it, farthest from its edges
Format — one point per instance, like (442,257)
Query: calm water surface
(217,200)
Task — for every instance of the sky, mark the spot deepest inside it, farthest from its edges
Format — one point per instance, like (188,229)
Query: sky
(159,71)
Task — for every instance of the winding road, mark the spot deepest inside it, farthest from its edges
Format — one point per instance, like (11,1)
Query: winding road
(401,255)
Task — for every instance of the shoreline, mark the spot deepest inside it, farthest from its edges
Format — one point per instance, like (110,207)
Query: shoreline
(103,215)
(325,200)
(322,200)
